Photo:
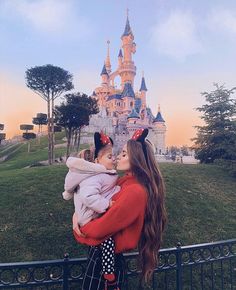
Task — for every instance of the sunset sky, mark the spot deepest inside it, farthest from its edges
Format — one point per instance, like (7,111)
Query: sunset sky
(183,47)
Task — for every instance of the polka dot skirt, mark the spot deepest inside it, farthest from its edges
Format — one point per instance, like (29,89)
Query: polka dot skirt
(108,256)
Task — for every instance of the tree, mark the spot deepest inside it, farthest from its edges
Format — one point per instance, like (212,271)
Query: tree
(28,135)
(49,82)
(73,115)
(184,150)
(174,150)
(2,135)
(40,120)
(217,138)
(26,127)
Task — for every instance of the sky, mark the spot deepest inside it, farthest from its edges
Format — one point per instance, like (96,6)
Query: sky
(183,47)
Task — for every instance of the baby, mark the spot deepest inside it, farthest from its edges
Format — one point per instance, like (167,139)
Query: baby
(92,186)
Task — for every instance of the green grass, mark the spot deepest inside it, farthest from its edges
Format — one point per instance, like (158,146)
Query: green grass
(35,222)
(20,158)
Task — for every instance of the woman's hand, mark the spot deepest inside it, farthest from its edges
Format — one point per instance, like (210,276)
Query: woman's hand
(111,203)
(76,227)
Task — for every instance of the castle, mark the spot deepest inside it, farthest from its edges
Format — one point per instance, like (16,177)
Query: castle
(121,110)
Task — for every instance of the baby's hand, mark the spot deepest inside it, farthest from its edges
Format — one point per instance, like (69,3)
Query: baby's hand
(111,203)
(75,226)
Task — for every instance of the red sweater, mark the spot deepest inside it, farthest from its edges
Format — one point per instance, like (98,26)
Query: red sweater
(124,220)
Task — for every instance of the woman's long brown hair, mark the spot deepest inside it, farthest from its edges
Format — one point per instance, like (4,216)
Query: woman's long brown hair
(148,174)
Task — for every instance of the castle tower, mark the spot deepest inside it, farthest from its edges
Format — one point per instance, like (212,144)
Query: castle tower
(127,69)
(159,131)
(128,97)
(143,90)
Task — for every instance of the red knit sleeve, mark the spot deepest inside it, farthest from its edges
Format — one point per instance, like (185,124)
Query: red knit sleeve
(123,213)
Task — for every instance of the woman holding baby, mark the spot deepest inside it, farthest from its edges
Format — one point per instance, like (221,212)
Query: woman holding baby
(133,215)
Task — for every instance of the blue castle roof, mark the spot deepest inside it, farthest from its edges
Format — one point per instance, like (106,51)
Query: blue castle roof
(127,30)
(104,71)
(133,114)
(137,104)
(128,91)
(116,96)
(120,53)
(143,85)
(159,118)
(149,113)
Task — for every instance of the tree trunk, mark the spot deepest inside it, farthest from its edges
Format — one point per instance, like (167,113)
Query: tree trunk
(49,134)
(78,141)
(53,134)
(68,135)
(75,139)
(39,135)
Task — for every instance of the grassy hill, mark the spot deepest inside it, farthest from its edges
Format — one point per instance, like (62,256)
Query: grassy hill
(36,221)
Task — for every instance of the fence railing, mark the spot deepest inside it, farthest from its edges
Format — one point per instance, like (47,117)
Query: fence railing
(209,266)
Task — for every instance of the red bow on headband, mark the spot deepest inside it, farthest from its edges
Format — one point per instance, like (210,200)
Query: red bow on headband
(105,139)
(140,134)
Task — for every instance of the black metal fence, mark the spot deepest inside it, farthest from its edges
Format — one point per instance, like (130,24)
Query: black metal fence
(209,266)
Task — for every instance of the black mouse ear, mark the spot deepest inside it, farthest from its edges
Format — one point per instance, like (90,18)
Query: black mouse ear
(97,139)
(142,137)
(97,143)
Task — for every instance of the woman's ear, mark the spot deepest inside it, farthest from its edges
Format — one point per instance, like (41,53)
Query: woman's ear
(96,160)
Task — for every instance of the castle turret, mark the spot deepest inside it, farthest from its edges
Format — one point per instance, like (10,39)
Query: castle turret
(143,90)
(108,62)
(93,94)
(128,97)
(127,70)
(133,117)
(120,57)
(104,75)
(159,132)
(158,118)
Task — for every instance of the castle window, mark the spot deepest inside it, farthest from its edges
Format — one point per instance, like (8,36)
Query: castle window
(131,104)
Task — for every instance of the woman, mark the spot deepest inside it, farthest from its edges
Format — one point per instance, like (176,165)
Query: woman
(137,217)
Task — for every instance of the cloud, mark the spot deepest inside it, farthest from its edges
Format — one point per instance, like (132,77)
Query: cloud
(52,16)
(222,19)
(177,36)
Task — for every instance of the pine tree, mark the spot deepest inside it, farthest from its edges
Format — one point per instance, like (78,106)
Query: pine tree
(216,140)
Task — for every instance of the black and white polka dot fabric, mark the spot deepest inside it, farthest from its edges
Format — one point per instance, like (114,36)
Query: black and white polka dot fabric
(108,256)
(93,276)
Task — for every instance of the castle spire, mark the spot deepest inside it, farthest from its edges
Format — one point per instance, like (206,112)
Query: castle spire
(107,62)
(127,30)
(159,117)
(120,53)
(104,71)
(143,84)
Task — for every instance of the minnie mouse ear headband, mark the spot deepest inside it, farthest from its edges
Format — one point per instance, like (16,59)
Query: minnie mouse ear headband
(100,141)
(139,136)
